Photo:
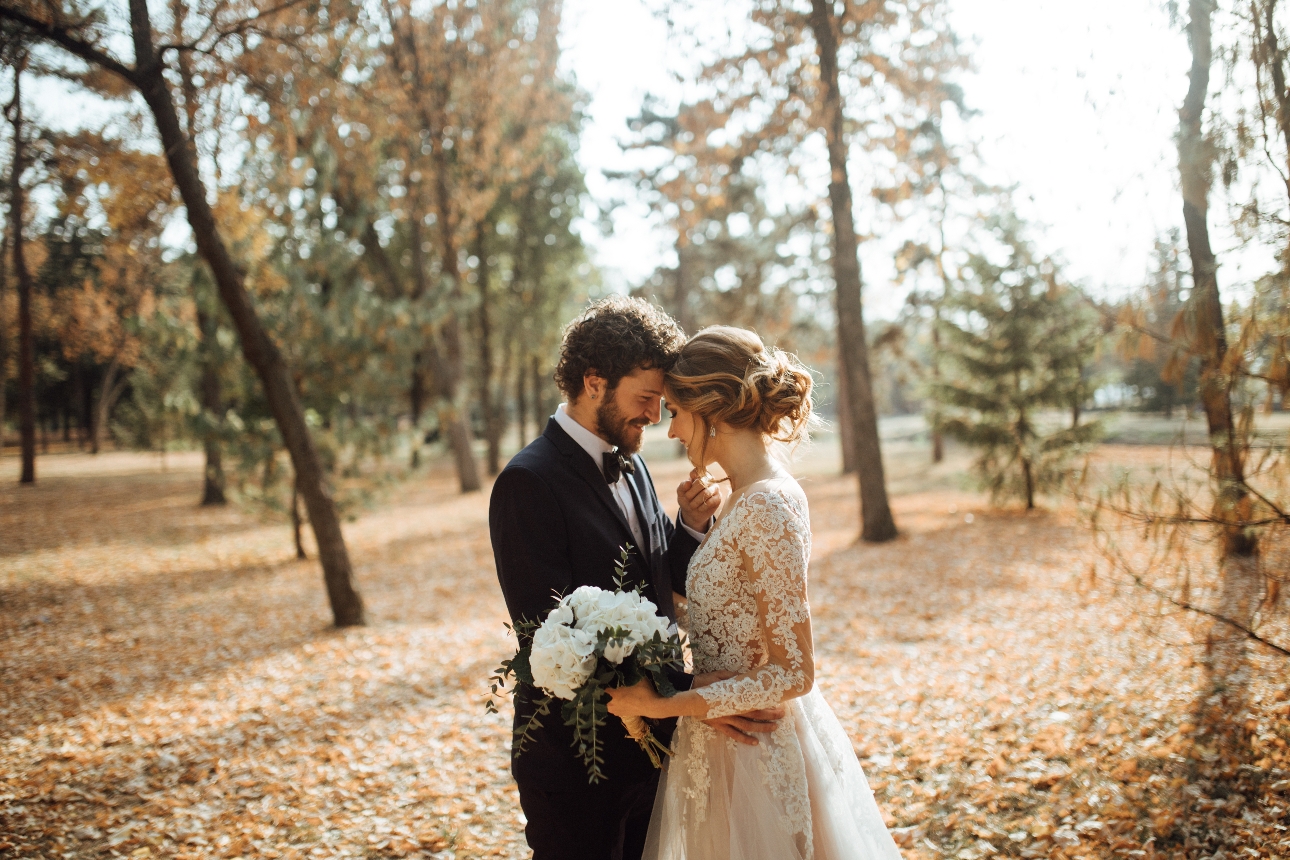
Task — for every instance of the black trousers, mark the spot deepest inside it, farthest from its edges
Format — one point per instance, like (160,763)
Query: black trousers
(606,821)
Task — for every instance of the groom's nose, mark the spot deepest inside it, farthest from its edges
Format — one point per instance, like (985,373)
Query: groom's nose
(654,410)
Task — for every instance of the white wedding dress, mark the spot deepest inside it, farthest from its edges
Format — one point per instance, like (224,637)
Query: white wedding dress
(800,793)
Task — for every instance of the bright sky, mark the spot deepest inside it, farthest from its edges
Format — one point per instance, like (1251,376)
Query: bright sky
(1079,108)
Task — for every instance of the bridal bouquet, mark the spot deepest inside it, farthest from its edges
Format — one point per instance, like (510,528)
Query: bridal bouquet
(592,641)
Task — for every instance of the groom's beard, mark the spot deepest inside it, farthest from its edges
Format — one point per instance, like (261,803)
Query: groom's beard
(617,430)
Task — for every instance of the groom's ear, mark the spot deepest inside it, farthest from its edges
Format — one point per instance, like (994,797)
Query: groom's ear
(594,385)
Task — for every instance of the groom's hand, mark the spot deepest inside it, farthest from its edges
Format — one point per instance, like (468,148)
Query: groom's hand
(741,728)
(744,728)
(698,502)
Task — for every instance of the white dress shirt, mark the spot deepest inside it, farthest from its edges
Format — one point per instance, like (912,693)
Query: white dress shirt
(597,448)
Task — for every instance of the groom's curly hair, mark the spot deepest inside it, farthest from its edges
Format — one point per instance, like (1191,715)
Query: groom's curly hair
(614,337)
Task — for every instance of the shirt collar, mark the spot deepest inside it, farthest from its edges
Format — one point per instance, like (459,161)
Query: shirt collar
(588,441)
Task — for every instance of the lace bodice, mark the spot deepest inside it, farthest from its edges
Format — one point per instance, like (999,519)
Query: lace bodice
(748,610)
(748,613)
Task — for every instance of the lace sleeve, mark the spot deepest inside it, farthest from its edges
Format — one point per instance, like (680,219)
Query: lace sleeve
(774,539)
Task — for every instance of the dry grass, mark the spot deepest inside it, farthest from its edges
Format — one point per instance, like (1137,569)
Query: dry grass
(171,687)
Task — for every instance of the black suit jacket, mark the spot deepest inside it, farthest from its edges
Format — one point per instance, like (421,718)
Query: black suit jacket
(555,526)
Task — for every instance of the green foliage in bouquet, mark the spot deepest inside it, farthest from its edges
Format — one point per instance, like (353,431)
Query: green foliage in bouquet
(585,709)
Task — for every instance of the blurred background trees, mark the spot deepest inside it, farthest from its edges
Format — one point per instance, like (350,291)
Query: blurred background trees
(324,241)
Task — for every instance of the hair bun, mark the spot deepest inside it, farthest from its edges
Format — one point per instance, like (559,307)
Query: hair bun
(782,389)
(728,376)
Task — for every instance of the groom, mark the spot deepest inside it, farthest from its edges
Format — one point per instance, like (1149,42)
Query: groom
(559,514)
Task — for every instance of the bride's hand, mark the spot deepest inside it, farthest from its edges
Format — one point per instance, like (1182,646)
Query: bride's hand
(638,700)
(699,499)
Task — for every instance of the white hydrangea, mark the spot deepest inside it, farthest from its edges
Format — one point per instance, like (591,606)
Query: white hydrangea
(563,657)
(597,610)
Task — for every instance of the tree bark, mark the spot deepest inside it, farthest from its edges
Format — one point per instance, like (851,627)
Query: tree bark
(938,438)
(488,401)
(1239,576)
(301,555)
(213,405)
(67,415)
(26,339)
(260,351)
(208,384)
(539,407)
(1030,483)
(4,333)
(845,432)
(113,385)
(416,406)
(877,523)
(521,402)
(448,380)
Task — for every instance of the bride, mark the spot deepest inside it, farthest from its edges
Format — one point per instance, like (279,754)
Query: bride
(799,793)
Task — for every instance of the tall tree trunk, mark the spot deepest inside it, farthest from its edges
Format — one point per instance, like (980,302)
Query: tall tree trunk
(213,405)
(452,416)
(4,332)
(67,415)
(113,385)
(208,384)
(1239,576)
(938,438)
(488,401)
(26,339)
(877,523)
(416,405)
(260,351)
(539,406)
(521,402)
(86,407)
(846,433)
(296,523)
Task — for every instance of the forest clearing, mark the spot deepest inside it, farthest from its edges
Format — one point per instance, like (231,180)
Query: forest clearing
(172,686)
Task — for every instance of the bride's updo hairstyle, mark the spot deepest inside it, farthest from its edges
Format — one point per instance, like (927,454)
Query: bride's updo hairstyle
(726,375)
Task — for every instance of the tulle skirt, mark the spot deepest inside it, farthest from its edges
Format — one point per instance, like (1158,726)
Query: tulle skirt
(798,795)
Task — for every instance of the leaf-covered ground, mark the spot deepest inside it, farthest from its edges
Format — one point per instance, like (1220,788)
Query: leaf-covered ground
(169,686)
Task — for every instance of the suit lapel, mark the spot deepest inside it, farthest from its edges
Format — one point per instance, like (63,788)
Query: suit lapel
(581,463)
(644,520)
(648,511)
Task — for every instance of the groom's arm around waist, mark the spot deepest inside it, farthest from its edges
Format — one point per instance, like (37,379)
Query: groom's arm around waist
(527,528)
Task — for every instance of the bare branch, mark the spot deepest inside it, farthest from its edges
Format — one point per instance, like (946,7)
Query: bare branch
(65,38)
(242,27)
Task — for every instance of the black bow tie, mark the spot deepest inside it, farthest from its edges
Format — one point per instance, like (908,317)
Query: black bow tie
(615,464)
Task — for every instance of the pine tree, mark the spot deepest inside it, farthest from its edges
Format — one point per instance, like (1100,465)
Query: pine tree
(1016,342)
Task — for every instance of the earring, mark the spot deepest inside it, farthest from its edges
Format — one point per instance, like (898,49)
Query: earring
(712,431)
